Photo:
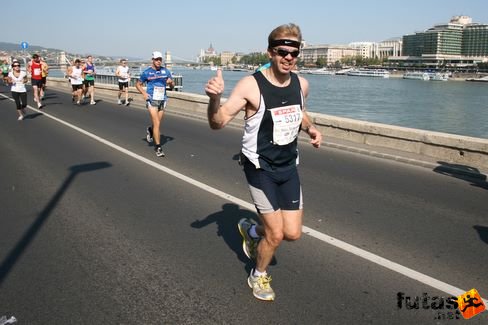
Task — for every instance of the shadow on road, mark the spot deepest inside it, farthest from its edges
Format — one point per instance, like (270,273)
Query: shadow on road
(482,232)
(463,172)
(50,96)
(17,251)
(163,140)
(32,116)
(226,221)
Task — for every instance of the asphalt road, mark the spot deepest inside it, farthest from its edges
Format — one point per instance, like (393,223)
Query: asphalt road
(95,229)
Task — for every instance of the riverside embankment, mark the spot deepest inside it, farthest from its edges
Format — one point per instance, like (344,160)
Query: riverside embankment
(459,154)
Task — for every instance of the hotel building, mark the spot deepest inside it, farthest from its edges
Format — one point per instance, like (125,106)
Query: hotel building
(457,44)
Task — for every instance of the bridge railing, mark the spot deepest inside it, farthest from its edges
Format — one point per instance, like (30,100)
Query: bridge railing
(110,79)
(114,80)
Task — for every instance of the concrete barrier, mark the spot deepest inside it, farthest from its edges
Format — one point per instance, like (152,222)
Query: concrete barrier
(454,149)
(445,147)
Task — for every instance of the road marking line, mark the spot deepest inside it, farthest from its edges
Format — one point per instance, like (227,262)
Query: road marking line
(408,272)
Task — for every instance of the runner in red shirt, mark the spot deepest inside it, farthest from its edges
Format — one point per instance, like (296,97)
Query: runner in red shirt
(35,70)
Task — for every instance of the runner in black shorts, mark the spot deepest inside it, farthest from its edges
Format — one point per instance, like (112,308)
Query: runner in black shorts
(274,103)
(123,73)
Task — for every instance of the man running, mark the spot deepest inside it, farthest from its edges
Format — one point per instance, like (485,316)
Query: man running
(89,79)
(44,73)
(156,77)
(124,77)
(35,69)
(5,71)
(274,103)
(75,74)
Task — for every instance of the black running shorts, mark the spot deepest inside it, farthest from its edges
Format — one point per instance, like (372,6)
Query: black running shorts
(272,191)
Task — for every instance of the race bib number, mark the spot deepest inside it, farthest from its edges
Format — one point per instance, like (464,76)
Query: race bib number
(37,71)
(158,93)
(286,123)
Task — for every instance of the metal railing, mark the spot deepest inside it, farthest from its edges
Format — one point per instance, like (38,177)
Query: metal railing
(114,80)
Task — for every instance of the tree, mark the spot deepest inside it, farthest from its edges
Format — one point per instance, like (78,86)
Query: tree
(254,59)
(321,62)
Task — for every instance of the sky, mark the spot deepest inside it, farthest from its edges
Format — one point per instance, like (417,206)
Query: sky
(124,28)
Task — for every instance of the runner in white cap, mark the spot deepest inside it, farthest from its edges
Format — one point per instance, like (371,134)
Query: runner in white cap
(156,77)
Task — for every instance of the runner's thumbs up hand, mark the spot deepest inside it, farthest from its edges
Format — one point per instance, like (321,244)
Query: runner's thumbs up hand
(215,86)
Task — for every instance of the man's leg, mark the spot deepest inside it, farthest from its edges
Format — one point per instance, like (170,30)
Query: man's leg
(35,90)
(276,226)
(79,95)
(126,90)
(156,118)
(92,94)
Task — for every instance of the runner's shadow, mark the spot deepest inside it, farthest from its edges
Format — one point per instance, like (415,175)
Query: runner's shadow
(226,221)
(51,104)
(30,234)
(482,232)
(49,96)
(32,116)
(164,139)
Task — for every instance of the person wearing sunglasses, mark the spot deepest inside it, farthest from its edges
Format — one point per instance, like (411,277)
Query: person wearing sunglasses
(156,78)
(274,103)
(18,78)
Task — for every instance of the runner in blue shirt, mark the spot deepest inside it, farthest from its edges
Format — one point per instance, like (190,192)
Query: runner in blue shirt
(156,77)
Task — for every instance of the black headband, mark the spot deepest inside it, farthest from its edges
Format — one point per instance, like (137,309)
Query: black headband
(286,42)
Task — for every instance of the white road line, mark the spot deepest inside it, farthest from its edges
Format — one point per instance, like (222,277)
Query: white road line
(408,272)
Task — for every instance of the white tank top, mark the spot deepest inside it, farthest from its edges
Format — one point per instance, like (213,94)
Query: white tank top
(18,85)
(123,73)
(75,77)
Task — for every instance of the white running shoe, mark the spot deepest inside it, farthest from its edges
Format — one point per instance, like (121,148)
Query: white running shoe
(260,285)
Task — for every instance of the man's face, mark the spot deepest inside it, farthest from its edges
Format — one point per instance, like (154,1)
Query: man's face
(158,62)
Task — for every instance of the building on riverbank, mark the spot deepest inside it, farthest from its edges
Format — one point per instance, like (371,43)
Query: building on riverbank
(458,45)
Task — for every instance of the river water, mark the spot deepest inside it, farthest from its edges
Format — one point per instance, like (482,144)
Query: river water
(455,107)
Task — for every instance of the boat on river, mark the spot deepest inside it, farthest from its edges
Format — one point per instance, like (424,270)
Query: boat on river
(343,72)
(416,75)
(321,71)
(481,79)
(381,73)
(438,76)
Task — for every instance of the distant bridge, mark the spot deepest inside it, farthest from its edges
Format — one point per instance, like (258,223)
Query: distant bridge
(182,60)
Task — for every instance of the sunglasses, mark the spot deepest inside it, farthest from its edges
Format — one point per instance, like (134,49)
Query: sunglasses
(16,66)
(283,53)
(158,59)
